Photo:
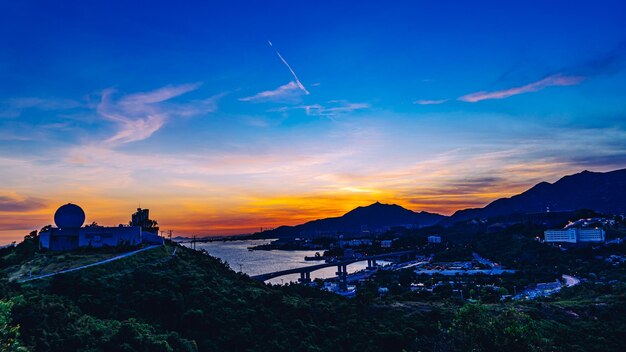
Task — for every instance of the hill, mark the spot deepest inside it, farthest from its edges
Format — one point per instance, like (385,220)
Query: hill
(599,191)
(157,301)
(375,217)
(171,298)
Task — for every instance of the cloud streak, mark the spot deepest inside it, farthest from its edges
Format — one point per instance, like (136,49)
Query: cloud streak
(297,80)
(286,92)
(13,107)
(140,115)
(14,204)
(342,108)
(335,108)
(430,102)
(604,65)
(550,81)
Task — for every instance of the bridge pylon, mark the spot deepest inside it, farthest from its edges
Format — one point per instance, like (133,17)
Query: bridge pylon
(371,264)
(305,277)
(342,275)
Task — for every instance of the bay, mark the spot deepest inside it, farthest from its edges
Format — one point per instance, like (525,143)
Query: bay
(239,258)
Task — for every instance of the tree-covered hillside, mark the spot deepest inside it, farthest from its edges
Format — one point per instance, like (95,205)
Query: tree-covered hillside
(156,301)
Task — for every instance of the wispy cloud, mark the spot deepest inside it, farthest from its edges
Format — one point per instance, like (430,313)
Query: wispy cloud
(297,80)
(286,92)
(607,64)
(140,115)
(602,65)
(550,81)
(339,107)
(13,107)
(19,204)
(334,108)
(430,102)
(158,95)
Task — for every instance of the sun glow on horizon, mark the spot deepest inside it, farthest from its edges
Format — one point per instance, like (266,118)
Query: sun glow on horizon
(224,132)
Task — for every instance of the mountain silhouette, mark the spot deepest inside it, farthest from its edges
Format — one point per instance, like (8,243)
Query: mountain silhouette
(603,192)
(374,217)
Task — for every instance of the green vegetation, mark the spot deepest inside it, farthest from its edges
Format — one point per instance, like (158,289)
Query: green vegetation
(9,333)
(154,301)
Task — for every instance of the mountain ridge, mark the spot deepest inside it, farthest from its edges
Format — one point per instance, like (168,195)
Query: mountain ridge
(373,216)
(599,191)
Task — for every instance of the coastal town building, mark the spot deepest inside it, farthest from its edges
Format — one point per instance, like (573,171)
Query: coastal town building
(434,239)
(574,235)
(386,243)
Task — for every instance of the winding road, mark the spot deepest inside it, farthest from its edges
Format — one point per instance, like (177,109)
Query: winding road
(121,256)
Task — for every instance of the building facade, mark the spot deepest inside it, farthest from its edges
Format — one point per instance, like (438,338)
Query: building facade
(69,233)
(434,239)
(574,235)
(140,217)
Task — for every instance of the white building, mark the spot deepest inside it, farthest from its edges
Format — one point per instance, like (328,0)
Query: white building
(574,235)
(434,239)
(355,242)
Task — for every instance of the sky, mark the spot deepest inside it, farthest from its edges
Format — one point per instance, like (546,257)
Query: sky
(223,117)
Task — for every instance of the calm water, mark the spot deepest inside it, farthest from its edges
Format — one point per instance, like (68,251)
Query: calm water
(237,255)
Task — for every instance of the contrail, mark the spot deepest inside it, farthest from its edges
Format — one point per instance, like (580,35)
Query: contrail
(290,70)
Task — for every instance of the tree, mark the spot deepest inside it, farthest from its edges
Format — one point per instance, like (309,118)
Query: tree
(475,328)
(443,291)
(9,334)
(472,329)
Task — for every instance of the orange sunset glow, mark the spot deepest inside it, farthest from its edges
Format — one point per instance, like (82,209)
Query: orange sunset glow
(226,132)
(198,208)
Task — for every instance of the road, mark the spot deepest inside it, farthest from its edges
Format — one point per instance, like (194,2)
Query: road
(534,293)
(121,256)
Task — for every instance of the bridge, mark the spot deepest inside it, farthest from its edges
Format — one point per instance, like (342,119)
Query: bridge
(342,272)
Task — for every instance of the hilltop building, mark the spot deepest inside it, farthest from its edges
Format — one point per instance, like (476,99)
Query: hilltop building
(574,235)
(69,233)
(140,217)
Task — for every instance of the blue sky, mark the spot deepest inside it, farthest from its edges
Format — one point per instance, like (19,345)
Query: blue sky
(188,109)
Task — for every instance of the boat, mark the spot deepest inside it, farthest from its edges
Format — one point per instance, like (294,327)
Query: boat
(317,256)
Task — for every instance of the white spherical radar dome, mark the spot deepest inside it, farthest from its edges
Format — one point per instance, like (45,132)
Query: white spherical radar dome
(69,216)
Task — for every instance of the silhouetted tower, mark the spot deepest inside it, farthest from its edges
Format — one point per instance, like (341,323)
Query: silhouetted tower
(140,217)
